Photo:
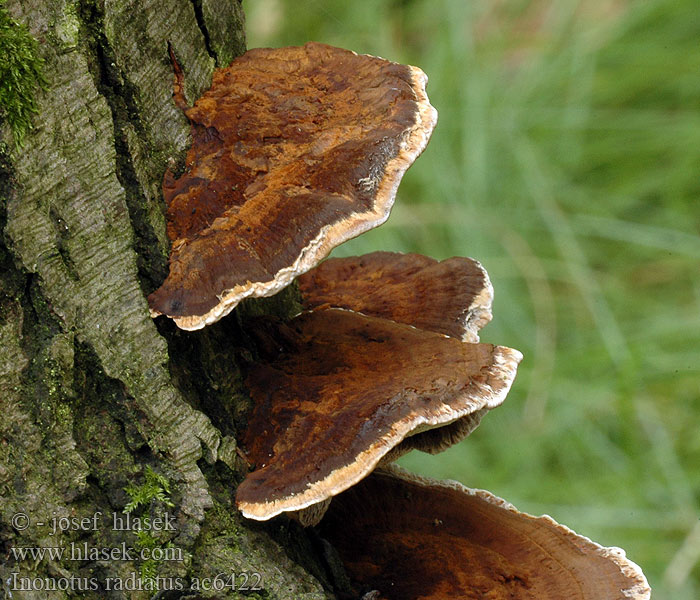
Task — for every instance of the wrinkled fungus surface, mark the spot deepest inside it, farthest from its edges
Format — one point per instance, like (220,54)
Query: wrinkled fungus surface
(410,537)
(452,297)
(337,391)
(295,150)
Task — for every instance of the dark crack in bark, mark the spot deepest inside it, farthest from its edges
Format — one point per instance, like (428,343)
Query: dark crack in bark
(201,23)
(121,96)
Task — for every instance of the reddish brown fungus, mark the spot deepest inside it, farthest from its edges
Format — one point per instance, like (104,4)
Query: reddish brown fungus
(340,391)
(413,538)
(452,297)
(295,150)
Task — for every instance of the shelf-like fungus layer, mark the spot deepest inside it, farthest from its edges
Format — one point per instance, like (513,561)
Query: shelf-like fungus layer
(295,150)
(413,538)
(452,297)
(337,391)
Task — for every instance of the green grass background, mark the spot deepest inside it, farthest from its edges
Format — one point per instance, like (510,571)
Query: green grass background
(567,160)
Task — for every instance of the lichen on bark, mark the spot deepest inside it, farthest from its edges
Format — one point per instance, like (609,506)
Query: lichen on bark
(92,390)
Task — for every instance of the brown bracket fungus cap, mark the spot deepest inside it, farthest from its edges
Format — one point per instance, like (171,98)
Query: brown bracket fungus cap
(295,150)
(409,537)
(339,391)
(452,297)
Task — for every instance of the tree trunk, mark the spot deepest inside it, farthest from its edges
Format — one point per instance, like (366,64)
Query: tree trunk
(103,409)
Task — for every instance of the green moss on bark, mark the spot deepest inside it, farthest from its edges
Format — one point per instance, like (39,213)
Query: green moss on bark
(230,545)
(21,74)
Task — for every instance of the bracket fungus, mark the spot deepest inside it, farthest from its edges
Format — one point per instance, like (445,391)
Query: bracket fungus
(452,297)
(295,150)
(338,391)
(407,537)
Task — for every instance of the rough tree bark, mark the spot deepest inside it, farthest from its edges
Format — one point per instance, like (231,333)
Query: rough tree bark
(101,406)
